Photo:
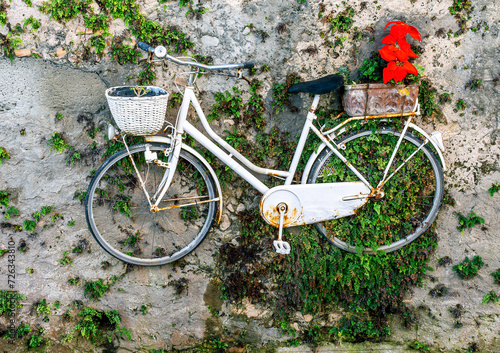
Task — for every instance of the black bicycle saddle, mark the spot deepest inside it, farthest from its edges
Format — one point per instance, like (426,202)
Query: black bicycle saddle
(320,86)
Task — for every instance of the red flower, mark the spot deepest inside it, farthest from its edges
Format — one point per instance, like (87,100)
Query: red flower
(392,53)
(398,70)
(401,29)
(396,49)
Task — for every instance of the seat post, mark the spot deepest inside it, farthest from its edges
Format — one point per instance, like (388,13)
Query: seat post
(311,116)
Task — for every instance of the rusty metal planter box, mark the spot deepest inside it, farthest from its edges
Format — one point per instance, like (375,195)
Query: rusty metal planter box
(379,99)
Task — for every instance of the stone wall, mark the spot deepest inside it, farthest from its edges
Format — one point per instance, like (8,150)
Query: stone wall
(288,36)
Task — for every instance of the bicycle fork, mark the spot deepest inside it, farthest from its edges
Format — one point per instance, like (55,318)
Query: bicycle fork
(152,157)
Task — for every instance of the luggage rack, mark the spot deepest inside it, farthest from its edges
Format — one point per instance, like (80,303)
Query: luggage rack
(435,138)
(416,112)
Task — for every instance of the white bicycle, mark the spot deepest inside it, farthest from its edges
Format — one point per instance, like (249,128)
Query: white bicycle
(374,189)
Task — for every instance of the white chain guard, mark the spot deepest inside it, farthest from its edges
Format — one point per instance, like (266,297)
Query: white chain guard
(312,203)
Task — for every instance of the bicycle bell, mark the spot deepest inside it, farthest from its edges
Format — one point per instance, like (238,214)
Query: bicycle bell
(160,51)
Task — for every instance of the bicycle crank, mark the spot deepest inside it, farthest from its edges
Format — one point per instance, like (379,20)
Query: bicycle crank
(280,246)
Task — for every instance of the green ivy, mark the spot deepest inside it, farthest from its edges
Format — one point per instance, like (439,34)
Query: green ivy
(491,297)
(281,95)
(123,53)
(64,10)
(357,330)
(97,326)
(10,210)
(3,13)
(9,43)
(146,76)
(99,44)
(254,109)
(33,22)
(96,289)
(427,98)
(357,282)
(29,225)
(43,309)
(96,22)
(21,331)
(371,70)
(494,188)
(343,21)
(468,222)
(10,302)
(36,339)
(57,143)
(469,269)
(461,6)
(226,104)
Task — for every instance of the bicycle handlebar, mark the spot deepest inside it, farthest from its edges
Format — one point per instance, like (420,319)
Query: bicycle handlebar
(146,47)
(161,52)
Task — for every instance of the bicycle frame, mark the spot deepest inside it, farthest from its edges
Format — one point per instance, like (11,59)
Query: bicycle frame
(183,126)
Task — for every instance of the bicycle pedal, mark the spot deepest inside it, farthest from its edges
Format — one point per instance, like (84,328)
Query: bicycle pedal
(281,247)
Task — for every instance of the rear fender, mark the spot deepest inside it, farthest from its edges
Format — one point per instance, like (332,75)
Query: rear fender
(316,153)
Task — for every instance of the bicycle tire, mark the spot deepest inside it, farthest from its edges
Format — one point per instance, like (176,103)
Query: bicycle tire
(118,212)
(412,197)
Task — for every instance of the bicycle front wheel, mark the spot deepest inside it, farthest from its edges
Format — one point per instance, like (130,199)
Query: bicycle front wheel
(119,216)
(411,200)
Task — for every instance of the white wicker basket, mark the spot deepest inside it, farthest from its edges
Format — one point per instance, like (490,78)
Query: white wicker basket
(134,115)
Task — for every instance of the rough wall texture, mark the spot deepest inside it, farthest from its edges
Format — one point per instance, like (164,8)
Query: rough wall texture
(33,91)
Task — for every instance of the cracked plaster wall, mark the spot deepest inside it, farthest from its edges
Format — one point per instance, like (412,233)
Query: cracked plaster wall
(33,90)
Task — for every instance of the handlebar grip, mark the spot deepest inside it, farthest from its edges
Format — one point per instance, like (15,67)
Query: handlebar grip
(248,65)
(146,47)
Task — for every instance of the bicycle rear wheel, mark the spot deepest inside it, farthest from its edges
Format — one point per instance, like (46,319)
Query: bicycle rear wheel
(118,212)
(412,197)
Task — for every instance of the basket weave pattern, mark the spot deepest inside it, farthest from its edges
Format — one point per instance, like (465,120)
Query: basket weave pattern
(138,115)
